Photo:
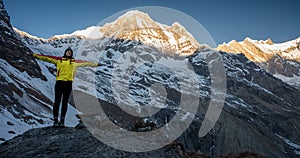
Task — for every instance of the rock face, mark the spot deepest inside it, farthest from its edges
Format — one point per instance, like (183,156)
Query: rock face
(13,50)
(253,106)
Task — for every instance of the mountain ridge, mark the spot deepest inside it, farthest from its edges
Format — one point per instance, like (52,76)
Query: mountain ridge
(136,26)
(280,59)
(288,50)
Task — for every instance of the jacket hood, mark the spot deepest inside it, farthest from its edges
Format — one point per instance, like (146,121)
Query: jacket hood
(65,56)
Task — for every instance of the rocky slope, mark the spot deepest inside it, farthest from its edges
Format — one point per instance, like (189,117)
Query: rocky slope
(260,111)
(78,142)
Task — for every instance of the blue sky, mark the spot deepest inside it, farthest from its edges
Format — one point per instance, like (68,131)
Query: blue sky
(225,20)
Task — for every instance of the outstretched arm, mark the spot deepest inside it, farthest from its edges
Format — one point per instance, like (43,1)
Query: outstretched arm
(47,58)
(81,63)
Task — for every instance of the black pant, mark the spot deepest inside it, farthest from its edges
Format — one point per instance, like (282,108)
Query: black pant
(62,89)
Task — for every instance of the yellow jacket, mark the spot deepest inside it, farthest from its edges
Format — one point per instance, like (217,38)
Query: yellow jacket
(66,68)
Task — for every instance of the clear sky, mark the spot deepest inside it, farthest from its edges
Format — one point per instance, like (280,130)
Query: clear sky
(225,20)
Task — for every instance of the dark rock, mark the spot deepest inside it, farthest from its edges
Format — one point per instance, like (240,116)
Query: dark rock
(10,123)
(13,50)
(74,142)
(64,142)
(11,132)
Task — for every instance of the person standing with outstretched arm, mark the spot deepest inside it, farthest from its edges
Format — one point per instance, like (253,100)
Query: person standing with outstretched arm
(66,67)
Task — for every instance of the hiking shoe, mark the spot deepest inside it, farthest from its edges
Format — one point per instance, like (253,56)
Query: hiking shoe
(55,124)
(61,124)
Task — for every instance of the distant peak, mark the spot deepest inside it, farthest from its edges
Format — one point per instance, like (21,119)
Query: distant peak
(135,13)
(269,41)
(248,39)
(177,25)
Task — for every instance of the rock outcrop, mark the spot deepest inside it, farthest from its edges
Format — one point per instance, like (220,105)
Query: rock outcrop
(79,142)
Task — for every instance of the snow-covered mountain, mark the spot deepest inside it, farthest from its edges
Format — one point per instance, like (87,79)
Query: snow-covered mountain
(134,25)
(260,113)
(280,59)
(138,26)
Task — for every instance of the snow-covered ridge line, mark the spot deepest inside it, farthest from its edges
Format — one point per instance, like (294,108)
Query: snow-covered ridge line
(280,59)
(25,34)
(62,36)
(98,31)
(133,25)
(287,50)
(92,32)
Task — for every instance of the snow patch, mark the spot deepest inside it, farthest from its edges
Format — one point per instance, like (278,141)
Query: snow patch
(290,143)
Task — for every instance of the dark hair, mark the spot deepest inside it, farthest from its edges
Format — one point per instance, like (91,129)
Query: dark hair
(69,48)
